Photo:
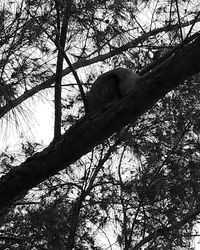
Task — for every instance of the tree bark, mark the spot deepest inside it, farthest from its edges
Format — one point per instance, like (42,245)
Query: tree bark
(61,39)
(93,129)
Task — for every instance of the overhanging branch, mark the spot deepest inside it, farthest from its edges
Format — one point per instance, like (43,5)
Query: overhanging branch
(85,62)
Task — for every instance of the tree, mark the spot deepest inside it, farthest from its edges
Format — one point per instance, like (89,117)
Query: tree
(155,203)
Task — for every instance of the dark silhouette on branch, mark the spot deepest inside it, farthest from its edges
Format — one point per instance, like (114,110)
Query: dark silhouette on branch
(93,129)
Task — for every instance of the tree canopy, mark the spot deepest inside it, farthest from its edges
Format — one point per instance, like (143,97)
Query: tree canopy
(126,177)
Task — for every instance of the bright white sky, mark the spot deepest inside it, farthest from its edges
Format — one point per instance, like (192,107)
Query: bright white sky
(36,127)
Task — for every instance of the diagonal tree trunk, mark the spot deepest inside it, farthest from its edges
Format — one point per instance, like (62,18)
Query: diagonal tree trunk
(91,130)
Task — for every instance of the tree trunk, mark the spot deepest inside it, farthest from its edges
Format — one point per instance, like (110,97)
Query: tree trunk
(93,130)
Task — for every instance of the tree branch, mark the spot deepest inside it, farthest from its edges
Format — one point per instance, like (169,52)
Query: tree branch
(92,130)
(164,231)
(61,40)
(84,62)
